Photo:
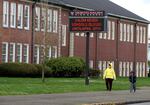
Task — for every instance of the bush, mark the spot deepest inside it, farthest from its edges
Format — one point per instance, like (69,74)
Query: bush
(66,66)
(21,70)
(94,73)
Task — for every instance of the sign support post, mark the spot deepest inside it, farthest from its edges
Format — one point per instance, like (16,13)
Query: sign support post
(87,59)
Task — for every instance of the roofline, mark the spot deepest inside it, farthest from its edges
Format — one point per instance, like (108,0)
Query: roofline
(148,22)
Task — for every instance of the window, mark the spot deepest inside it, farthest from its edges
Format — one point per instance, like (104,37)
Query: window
(82,34)
(49,23)
(113,30)
(50,52)
(109,29)
(91,34)
(100,35)
(91,64)
(121,32)
(120,68)
(100,65)
(5,13)
(124,35)
(37,18)
(141,34)
(77,34)
(137,69)
(13,15)
(12,52)
(105,35)
(19,53)
(131,66)
(26,53)
(4,52)
(143,69)
(128,68)
(54,52)
(26,17)
(20,16)
(137,34)
(124,69)
(43,19)
(104,65)
(132,31)
(64,35)
(36,54)
(55,21)
(144,34)
(128,32)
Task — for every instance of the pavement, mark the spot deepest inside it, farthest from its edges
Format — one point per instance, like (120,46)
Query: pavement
(85,98)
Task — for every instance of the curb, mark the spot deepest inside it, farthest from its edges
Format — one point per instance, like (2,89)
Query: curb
(119,103)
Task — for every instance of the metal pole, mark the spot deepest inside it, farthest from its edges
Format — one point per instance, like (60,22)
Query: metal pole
(87,59)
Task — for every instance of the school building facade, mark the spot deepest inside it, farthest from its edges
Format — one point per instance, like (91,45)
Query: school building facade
(28,27)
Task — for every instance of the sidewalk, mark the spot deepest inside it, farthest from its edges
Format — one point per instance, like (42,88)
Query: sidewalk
(87,98)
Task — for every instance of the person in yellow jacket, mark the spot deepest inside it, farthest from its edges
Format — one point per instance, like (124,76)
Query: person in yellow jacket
(109,75)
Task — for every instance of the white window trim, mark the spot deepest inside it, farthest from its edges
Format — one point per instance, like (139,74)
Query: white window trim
(109,30)
(125,32)
(128,32)
(5,11)
(121,32)
(43,18)
(137,31)
(120,68)
(49,23)
(50,52)
(37,11)
(28,18)
(20,14)
(64,34)
(55,19)
(113,30)
(13,13)
(141,34)
(132,31)
(14,51)
(27,60)
(91,64)
(6,59)
(20,51)
(38,54)
(55,47)
(100,65)
(144,34)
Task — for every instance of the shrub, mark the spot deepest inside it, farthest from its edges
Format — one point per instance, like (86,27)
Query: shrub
(94,73)
(21,70)
(66,66)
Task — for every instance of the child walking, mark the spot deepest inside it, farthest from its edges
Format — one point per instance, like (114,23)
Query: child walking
(132,79)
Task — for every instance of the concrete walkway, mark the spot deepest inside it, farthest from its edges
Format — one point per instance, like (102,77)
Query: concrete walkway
(87,98)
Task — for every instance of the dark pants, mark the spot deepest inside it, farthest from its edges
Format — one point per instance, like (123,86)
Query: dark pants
(132,87)
(109,83)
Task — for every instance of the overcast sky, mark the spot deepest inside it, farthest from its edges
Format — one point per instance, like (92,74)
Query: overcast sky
(139,7)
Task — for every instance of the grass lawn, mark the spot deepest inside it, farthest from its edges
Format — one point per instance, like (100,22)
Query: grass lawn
(25,86)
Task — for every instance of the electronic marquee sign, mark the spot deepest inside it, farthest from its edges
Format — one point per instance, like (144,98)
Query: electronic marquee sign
(89,21)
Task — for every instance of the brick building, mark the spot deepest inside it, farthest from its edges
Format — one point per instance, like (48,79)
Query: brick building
(125,43)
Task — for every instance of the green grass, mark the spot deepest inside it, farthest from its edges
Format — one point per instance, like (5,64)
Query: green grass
(26,86)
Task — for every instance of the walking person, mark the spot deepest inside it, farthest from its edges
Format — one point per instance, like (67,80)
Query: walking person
(109,75)
(132,79)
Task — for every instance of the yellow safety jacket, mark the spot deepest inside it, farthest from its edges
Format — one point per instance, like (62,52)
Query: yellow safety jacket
(109,73)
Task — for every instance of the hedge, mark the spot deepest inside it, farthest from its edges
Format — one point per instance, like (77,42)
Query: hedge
(22,70)
(66,66)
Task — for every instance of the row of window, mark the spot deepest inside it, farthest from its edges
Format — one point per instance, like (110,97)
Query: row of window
(50,52)
(124,67)
(16,11)
(18,52)
(15,52)
(141,34)
(45,19)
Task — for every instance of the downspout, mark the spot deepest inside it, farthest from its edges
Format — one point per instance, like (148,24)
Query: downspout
(32,33)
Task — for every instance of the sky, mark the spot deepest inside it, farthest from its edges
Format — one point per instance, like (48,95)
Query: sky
(139,7)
